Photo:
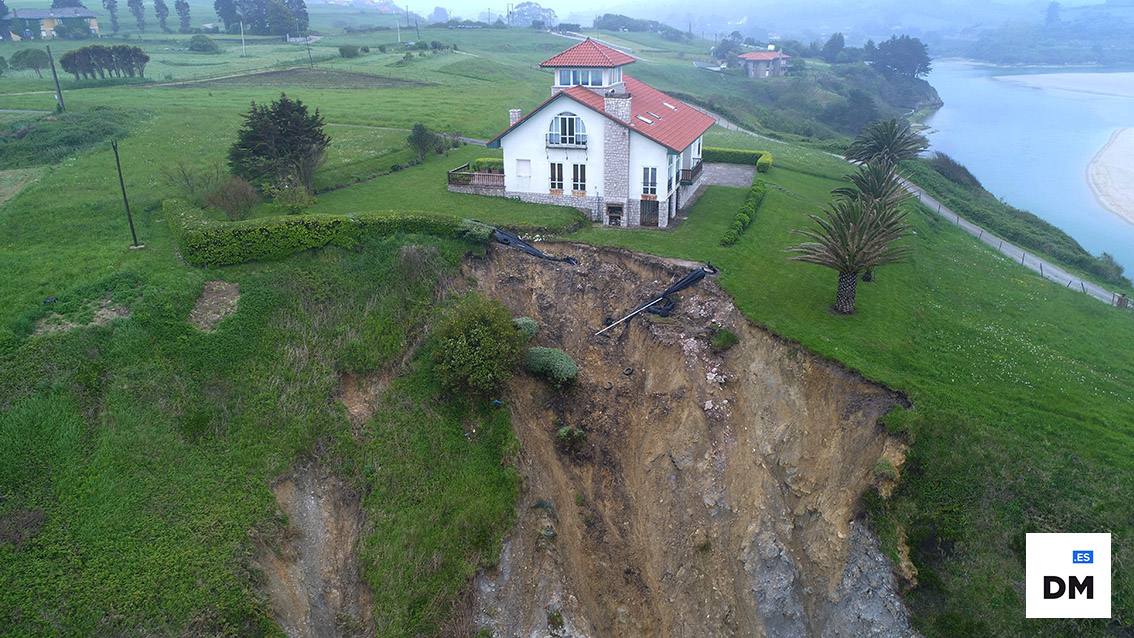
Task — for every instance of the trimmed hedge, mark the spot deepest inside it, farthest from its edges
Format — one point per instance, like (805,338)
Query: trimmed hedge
(206,242)
(487,164)
(764,163)
(731,155)
(747,212)
(552,364)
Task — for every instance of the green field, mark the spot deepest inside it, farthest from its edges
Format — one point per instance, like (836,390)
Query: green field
(146,447)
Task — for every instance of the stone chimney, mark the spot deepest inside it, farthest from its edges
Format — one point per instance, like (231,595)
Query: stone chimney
(514,116)
(616,102)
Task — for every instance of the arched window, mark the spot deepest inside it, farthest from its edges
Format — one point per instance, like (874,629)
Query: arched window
(567,130)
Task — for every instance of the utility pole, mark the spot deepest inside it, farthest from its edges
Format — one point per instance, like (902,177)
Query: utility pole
(399,25)
(417,27)
(307,41)
(125,200)
(243,50)
(55,76)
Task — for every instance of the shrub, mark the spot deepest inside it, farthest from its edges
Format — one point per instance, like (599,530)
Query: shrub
(203,44)
(884,470)
(235,196)
(191,183)
(730,155)
(954,171)
(204,242)
(729,238)
(477,346)
(474,231)
(552,364)
(487,165)
(349,51)
(290,197)
(527,326)
(381,48)
(743,218)
(364,49)
(723,339)
(570,438)
(764,163)
(747,212)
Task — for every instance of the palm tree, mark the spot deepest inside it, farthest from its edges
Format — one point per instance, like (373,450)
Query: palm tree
(876,184)
(886,141)
(854,235)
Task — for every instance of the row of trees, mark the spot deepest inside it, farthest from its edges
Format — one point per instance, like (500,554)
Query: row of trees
(99,61)
(263,17)
(138,10)
(901,55)
(857,231)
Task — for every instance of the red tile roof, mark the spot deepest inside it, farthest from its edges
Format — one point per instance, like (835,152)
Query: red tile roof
(763,56)
(650,114)
(588,53)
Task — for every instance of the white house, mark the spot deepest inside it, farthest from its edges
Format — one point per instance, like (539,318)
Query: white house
(604,142)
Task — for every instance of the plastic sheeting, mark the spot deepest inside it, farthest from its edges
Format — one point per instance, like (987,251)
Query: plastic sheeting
(513,240)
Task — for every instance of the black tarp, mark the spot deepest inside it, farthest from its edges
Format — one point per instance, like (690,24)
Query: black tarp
(513,240)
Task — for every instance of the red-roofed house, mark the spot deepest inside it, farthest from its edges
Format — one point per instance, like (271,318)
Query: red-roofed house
(764,64)
(604,142)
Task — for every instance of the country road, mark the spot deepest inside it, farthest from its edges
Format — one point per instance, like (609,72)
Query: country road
(1045,268)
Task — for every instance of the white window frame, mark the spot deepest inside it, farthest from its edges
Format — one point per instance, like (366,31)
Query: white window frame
(579,178)
(580,77)
(556,171)
(650,180)
(567,129)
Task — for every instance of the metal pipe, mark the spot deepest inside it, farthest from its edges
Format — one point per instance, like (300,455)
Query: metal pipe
(628,316)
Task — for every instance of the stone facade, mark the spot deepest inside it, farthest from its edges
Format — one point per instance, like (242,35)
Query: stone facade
(616,160)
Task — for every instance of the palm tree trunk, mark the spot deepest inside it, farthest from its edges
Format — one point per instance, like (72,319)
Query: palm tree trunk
(844,296)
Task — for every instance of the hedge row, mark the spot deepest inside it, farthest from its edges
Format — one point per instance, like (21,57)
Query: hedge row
(747,212)
(206,242)
(762,159)
(487,164)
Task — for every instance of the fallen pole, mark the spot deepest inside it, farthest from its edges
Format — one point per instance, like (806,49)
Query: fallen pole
(629,316)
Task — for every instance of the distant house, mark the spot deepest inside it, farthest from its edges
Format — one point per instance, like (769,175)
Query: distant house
(765,64)
(34,24)
(604,142)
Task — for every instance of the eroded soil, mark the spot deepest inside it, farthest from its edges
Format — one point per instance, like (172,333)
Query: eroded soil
(311,574)
(218,300)
(714,495)
(103,313)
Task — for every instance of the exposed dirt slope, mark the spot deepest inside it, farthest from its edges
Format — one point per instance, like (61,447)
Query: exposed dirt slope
(312,575)
(715,495)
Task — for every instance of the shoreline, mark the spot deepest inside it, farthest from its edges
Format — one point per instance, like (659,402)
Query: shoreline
(1110,174)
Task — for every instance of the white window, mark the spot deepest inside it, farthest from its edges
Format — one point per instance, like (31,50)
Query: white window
(579,177)
(616,75)
(582,77)
(523,168)
(649,180)
(567,130)
(556,177)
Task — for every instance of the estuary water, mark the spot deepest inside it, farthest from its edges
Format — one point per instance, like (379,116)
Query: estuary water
(1030,140)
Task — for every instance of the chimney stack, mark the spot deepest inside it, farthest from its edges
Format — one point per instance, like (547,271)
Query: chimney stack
(616,102)
(514,116)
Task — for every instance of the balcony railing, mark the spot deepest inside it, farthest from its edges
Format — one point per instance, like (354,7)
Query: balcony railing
(578,140)
(462,176)
(690,175)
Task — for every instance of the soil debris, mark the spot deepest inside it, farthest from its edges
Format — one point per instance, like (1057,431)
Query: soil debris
(20,525)
(104,313)
(218,300)
(715,494)
(312,575)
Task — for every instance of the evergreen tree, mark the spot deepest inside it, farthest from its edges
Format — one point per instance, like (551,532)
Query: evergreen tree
(139,12)
(111,7)
(278,144)
(5,25)
(902,56)
(161,10)
(182,9)
(834,46)
(298,9)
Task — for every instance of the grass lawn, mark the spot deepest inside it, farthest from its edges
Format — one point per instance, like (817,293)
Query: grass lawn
(144,447)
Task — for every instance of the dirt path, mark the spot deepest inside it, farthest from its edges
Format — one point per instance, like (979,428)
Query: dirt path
(715,494)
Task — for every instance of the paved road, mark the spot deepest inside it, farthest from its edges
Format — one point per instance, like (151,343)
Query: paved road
(1045,268)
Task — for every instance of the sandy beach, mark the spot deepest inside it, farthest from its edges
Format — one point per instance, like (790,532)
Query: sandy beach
(1114,84)
(1111,174)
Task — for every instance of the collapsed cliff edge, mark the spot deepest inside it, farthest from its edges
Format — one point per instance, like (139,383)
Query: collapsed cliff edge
(710,494)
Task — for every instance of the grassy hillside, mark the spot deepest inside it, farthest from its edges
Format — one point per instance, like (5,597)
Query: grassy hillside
(136,456)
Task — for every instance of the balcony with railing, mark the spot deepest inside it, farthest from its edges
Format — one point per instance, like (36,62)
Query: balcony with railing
(690,175)
(561,140)
(464,176)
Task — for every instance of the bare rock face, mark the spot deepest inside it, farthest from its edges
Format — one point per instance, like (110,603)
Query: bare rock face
(716,494)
